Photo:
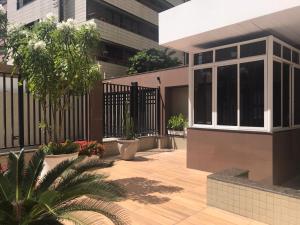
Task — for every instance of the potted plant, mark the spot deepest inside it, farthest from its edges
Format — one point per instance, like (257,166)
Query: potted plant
(128,145)
(55,153)
(177,125)
(57,198)
(90,149)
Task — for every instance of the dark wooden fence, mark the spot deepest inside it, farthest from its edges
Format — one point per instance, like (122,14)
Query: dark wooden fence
(21,114)
(143,103)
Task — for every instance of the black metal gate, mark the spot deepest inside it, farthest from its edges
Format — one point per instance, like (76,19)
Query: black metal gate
(144,103)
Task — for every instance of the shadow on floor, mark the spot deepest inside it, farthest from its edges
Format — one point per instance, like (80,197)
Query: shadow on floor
(141,159)
(147,191)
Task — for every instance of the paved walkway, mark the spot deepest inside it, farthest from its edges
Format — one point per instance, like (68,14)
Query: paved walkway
(162,191)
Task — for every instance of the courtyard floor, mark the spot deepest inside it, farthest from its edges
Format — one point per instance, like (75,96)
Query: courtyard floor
(162,191)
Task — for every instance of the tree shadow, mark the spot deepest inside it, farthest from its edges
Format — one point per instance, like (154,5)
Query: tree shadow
(145,191)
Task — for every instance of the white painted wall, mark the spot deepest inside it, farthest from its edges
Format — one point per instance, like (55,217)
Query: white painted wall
(199,16)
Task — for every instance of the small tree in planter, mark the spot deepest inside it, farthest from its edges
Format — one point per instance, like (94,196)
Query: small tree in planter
(177,125)
(56,61)
(128,145)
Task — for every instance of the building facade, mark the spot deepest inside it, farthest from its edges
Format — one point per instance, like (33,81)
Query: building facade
(244,73)
(127,26)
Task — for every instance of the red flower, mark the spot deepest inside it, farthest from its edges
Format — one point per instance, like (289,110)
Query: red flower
(90,148)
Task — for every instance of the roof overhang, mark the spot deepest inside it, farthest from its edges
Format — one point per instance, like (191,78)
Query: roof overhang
(201,24)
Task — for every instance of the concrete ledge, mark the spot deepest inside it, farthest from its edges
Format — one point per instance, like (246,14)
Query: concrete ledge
(230,190)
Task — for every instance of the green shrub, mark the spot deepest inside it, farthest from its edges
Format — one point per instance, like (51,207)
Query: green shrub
(177,122)
(68,147)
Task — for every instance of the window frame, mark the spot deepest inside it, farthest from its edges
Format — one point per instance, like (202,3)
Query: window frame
(214,65)
(291,84)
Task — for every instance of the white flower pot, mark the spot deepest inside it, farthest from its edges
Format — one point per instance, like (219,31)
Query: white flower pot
(52,161)
(128,148)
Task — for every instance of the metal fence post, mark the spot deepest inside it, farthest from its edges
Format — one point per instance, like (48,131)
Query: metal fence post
(134,110)
(21,112)
(158,111)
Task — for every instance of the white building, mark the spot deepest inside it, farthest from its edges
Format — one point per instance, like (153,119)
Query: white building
(244,82)
(127,26)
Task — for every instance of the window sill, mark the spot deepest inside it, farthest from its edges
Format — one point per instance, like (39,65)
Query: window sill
(230,128)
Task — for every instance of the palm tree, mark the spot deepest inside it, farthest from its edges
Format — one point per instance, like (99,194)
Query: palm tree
(66,193)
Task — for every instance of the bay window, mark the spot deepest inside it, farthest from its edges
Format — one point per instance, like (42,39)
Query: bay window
(252,86)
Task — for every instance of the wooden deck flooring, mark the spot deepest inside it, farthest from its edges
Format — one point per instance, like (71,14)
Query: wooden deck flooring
(162,191)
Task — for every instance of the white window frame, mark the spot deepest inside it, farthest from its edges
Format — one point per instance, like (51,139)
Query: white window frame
(237,62)
(291,84)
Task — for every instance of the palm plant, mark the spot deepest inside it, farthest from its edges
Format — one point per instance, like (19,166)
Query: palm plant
(63,194)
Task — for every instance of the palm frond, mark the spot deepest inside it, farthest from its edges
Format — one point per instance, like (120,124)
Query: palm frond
(110,210)
(5,188)
(48,180)
(92,164)
(74,178)
(32,173)
(104,190)
(49,220)
(15,172)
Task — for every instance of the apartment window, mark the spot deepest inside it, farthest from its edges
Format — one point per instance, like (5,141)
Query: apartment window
(110,14)
(203,58)
(115,53)
(277,101)
(252,94)
(156,5)
(226,54)
(296,96)
(253,49)
(203,96)
(227,95)
(20,4)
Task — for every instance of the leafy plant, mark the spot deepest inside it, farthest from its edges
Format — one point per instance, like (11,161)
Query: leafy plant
(89,148)
(177,122)
(152,59)
(27,199)
(3,28)
(128,124)
(67,147)
(57,61)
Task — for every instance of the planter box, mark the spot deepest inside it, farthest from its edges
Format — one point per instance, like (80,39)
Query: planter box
(181,133)
(53,160)
(128,148)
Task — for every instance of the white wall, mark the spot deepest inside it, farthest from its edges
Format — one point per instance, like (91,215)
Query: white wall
(198,16)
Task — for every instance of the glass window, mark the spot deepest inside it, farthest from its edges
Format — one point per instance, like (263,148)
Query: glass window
(227,95)
(252,94)
(297,96)
(226,54)
(286,53)
(276,94)
(286,94)
(253,49)
(295,57)
(203,96)
(277,49)
(203,58)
